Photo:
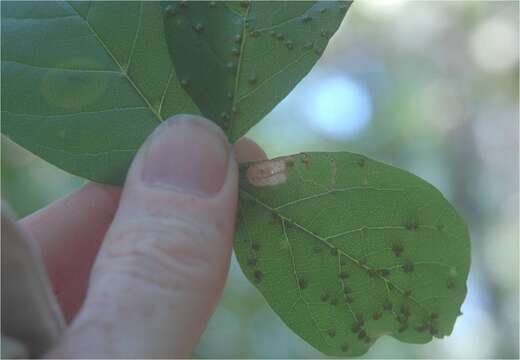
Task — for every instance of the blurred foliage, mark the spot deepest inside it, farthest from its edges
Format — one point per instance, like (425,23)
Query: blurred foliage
(441,80)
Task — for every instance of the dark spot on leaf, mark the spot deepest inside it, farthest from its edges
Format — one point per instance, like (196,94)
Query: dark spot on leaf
(433,330)
(407,266)
(377,315)
(363,261)
(405,310)
(244,3)
(402,319)
(384,272)
(349,299)
(403,327)
(361,162)
(411,225)
(324,297)
(334,252)
(343,275)
(408,293)
(347,290)
(290,163)
(302,283)
(397,249)
(362,334)
(279,36)
(258,276)
(255,246)
(251,262)
(368,339)
(358,325)
(255,33)
(422,327)
(334,301)
(450,284)
(434,316)
(343,261)
(440,227)
(387,305)
(306,18)
(344,347)
(331,333)
(323,10)
(361,318)
(372,272)
(289,44)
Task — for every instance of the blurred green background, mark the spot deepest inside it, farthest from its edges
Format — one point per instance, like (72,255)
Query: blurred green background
(431,87)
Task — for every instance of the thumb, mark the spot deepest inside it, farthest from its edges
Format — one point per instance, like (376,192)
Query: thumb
(162,266)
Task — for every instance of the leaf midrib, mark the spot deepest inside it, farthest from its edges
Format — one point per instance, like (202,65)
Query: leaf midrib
(122,70)
(240,56)
(340,251)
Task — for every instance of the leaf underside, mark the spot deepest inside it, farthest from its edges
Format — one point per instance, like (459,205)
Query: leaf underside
(239,59)
(346,249)
(84,83)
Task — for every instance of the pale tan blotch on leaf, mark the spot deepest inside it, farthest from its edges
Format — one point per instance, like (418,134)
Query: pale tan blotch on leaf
(269,172)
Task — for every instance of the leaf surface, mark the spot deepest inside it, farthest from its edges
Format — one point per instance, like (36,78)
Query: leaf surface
(346,249)
(239,59)
(84,83)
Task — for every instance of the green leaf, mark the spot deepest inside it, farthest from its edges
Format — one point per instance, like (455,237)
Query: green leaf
(346,249)
(237,60)
(84,83)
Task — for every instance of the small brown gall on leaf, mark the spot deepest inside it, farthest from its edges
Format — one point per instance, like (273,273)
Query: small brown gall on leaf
(270,172)
(324,297)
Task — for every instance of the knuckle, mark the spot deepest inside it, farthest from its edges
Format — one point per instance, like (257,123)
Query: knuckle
(172,253)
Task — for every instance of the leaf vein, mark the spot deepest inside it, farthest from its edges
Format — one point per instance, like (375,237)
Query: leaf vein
(152,109)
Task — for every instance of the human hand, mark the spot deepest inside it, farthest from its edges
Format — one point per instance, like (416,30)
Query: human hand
(154,256)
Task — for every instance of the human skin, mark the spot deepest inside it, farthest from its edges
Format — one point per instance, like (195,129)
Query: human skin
(139,270)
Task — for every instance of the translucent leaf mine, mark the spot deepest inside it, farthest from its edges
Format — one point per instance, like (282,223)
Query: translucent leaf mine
(346,249)
(237,60)
(84,83)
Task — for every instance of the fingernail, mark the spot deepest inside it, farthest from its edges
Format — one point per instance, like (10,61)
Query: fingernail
(188,154)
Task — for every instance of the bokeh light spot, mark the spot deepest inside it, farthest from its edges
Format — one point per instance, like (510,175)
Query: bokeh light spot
(494,45)
(339,106)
